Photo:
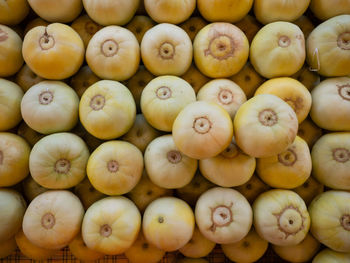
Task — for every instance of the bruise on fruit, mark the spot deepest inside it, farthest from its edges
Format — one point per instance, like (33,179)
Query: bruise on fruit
(46,41)
(1,158)
(286,215)
(221,216)
(48,221)
(225,96)
(91,28)
(297,104)
(268,117)
(202,125)
(341,155)
(109,48)
(3,35)
(167,50)
(97,102)
(163,93)
(62,166)
(288,158)
(344,91)
(105,230)
(174,157)
(113,166)
(221,46)
(344,41)
(46,97)
(345,222)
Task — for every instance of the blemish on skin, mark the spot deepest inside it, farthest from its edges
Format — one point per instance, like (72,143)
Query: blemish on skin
(3,35)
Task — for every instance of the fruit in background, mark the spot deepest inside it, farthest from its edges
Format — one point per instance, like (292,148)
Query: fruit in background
(223,215)
(11,59)
(50,106)
(79,250)
(305,24)
(12,12)
(327,255)
(193,25)
(249,249)
(195,78)
(220,50)
(53,52)
(291,91)
(27,133)
(26,78)
(165,11)
(30,250)
(324,9)
(168,223)
(264,126)
(309,190)
(288,169)
(34,23)
(10,104)
(199,246)
(86,28)
(58,161)
(191,192)
(32,189)
(278,50)
(142,251)
(267,11)
(328,47)
(166,166)
(302,252)
(330,219)
(331,160)
(223,92)
(192,260)
(62,11)
(248,80)
(249,25)
(107,109)
(141,133)
(166,49)
(113,53)
(309,132)
(111,225)
(281,217)
(87,193)
(111,12)
(7,247)
(12,206)
(53,219)
(115,167)
(14,159)
(83,79)
(331,104)
(137,83)
(145,192)
(253,188)
(163,98)
(224,10)
(202,130)
(307,77)
(230,168)
(139,25)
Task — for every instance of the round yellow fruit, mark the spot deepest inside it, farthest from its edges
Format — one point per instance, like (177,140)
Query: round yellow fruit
(253,188)
(264,126)
(79,250)
(139,25)
(220,50)
(193,25)
(83,79)
(86,28)
(330,256)
(12,12)
(26,78)
(324,9)
(107,109)
(309,190)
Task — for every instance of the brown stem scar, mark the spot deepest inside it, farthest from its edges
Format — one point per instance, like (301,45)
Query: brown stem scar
(91,28)
(97,102)
(62,166)
(268,117)
(202,125)
(231,151)
(344,91)
(221,216)
(113,166)
(48,221)
(160,219)
(344,41)
(288,158)
(284,41)
(341,155)
(345,222)
(46,41)
(46,97)
(221,46)
(109,47)
(290,220)
(163,93)
(105,230)
(166,50)
(174,156)
(225,96)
